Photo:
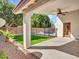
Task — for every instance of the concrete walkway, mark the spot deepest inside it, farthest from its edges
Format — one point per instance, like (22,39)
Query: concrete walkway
(57,48)
(59,41)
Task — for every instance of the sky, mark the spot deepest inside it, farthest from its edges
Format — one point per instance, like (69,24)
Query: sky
(53,18)
(14,1)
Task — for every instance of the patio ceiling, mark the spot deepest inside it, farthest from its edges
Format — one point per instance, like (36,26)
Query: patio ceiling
(52,6)
(28,5)
(47,6)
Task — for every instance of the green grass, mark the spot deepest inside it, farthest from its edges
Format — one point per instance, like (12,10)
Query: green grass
(37,39)
(34,39)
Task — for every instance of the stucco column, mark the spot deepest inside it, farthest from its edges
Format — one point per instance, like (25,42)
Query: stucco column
(26,30)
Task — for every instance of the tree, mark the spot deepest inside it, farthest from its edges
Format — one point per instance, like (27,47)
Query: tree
(7,14)
(40,21)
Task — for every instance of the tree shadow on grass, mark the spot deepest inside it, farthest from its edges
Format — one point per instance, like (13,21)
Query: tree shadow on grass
(19,39)
(38,37)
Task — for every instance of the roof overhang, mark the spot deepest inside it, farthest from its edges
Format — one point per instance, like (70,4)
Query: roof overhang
(28,5)
(46,6)
(51,7)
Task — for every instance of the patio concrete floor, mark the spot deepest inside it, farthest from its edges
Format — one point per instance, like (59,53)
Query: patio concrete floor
(57,48)
(59,41)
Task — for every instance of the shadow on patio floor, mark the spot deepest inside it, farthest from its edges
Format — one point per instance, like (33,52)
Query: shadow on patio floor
(71,48)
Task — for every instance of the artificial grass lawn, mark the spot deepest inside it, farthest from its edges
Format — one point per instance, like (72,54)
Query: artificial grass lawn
(34,39)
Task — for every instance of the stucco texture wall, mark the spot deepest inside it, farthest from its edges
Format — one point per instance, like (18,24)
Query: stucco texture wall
(59,27)
(73,18)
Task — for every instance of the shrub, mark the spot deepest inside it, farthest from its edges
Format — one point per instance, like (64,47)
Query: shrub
(6,34)
(3,55)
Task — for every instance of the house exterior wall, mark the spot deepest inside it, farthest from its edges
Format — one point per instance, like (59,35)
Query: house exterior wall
(73,18)
(59,28)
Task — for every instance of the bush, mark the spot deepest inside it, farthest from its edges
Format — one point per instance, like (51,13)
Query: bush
(3,55)
(6,34)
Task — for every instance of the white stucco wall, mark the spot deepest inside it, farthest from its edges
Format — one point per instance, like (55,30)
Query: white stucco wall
(59,27)
(73,18)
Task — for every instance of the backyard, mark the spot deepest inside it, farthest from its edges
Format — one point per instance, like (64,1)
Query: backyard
(34,39)
(19,38)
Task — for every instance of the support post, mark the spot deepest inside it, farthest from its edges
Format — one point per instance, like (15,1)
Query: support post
(26,30)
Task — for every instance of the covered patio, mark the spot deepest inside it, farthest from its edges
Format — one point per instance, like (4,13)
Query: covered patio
(67,51)
(49,7)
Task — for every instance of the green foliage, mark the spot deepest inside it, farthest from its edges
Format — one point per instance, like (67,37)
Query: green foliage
(40,21)
(7,14)
(6,34)
(3,55)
